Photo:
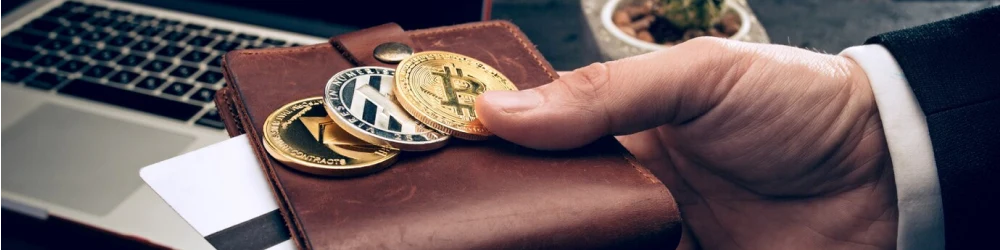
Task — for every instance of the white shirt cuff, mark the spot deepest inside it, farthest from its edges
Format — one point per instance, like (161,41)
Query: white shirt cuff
(918,191)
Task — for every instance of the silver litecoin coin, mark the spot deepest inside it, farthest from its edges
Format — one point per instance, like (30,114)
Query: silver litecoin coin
(360,101)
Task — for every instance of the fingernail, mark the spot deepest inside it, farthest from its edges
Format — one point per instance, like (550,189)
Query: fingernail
(515,101)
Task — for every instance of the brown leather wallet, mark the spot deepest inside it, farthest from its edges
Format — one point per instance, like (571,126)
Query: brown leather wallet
(487,194)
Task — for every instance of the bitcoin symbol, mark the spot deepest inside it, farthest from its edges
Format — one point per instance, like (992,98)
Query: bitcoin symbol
(467,85)
(439,89)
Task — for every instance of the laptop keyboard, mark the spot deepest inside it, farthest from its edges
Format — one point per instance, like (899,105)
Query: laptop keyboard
(134,60)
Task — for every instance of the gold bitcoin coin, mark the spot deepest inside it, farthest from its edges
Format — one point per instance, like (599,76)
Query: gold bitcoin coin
(303,137)
(440,88)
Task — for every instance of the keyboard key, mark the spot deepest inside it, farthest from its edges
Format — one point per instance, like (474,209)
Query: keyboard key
(77,17)
(150,31)
(80,50)
(17,74)
(247,36)
(242,41)
(18,54)
(217,61)
(145,45)
(274,41)
(131,60)
(93,8)
(150,83)
(100,21)
(295,45)
(157,66)
(123,77)
(128,99)
(125,26)
(98,71)
(200,41)
(105,55)
(170,51)
(23,38)
(118,13)
(72,66)
(45,80)
(223,32)
(47,60)
(119,41)
(203,95)
(226,46)
(71,31)
(192,26)
(211,119)
(210,77)
(168,22)
(56,44)
(141,17)
(43,25)
(195,56)
(175,36)
(95,36)
(184,71)
(178,89)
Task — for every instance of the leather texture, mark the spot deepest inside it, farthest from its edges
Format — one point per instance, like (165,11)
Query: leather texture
(359,47)
(468,195)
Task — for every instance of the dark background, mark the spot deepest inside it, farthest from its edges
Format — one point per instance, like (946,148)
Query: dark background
(559,30)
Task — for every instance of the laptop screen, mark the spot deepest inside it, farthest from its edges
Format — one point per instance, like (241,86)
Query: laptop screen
(408,13)
(11,5)
(330,17)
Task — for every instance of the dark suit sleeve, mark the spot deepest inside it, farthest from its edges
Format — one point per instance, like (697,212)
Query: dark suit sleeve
(953,67)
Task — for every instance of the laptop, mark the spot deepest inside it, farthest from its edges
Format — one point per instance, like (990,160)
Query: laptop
(95,90)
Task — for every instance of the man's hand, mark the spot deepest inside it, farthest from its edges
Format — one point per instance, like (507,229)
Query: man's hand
(763,146)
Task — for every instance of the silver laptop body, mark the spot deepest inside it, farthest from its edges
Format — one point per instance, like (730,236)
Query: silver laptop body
(94,90)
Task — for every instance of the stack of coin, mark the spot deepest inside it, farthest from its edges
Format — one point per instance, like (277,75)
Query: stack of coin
(367,115)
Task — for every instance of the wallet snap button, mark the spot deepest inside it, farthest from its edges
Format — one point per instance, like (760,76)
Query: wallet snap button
(392,52)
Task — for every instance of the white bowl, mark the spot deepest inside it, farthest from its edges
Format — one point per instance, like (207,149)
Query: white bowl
(609,10)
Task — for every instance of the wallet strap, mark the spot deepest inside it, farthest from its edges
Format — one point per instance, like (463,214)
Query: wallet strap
(359,47)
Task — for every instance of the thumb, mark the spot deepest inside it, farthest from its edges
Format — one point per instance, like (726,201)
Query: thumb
(620,97)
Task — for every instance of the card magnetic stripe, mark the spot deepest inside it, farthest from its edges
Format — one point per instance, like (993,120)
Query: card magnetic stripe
(261,232)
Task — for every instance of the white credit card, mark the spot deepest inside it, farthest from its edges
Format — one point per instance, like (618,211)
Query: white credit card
(223,193)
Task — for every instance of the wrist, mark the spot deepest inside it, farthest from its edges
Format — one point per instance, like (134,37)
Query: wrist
(918,196)
(868,131)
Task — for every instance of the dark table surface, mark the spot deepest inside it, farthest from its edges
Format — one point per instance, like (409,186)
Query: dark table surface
(559,30)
